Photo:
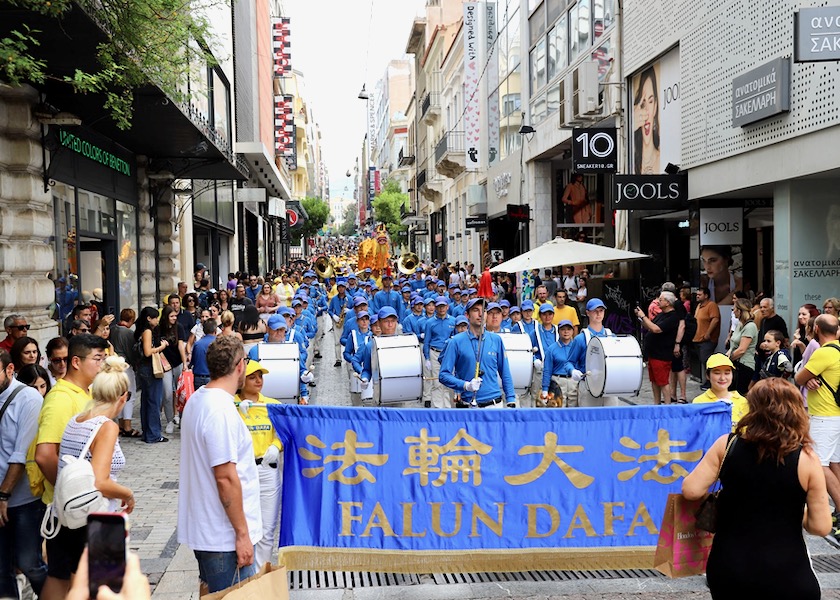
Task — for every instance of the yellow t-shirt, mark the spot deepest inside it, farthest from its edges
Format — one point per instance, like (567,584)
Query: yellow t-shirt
(567,313)
(826,362)
(64,400)
(739,404)
(260,427)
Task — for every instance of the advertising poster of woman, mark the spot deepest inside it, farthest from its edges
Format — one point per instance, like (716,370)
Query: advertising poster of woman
(655,98)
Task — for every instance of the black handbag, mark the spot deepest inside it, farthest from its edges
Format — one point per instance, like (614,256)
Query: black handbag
(707,513)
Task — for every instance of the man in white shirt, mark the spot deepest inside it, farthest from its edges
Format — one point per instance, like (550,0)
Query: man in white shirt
(219,495)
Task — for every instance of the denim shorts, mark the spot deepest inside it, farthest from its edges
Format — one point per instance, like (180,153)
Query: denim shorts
(218,569)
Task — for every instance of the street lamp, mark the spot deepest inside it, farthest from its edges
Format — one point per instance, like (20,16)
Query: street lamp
(363,95)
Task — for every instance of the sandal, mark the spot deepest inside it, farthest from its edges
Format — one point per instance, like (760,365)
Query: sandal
(130,433)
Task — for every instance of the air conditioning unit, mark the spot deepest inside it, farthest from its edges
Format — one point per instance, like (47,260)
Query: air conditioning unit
(585,88)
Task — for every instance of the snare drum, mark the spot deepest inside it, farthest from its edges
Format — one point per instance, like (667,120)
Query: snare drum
(397,369)
(282,382)
(613,366)
(520,357)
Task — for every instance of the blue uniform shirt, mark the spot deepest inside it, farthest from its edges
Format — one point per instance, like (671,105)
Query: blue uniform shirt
(411,324)
(355,341)
(560,361)
(547,338)
(338,304)
(391,298)
(458,367)
(580,342)
(437,331)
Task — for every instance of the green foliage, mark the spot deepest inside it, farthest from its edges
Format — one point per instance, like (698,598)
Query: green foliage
(348,225)
(148,41)
(386,209)
(318,211)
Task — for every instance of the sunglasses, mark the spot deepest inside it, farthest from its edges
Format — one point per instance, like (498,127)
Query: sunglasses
(84,330)
(58,361)
(20,327)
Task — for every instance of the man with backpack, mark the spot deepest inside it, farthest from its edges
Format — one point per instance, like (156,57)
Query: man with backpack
(821,375)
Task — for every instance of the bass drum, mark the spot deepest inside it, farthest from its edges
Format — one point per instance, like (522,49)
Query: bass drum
(613,366)
(282,382)
(397,369)
(520,358)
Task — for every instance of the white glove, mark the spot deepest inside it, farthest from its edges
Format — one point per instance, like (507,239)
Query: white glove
(244,407)
(271,456)
(346,310)
(576,375)
(365,384)
(473,385)
(428,364)
(544,395)
(537,364)
(334,318)
(307,377)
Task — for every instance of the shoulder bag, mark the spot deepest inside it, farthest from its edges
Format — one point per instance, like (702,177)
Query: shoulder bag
(707,512)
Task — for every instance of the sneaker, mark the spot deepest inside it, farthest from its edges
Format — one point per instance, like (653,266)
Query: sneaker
(177,420)
(337,363)
(170,427)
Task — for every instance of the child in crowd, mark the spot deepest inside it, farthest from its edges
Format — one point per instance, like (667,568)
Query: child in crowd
(778,363)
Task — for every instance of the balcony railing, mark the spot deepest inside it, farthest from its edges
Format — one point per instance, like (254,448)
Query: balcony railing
(421,179)
(404,159)
(451,142)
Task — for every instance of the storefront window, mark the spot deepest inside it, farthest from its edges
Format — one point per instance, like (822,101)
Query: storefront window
(96,213)
(224,197)
(204,199)
(127,245)
(66,275)
(574,217)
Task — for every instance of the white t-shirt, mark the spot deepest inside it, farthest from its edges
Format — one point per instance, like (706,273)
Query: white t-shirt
(212,434)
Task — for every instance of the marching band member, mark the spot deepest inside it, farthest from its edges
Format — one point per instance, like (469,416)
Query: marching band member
(387,321)
(595,310)
(458,367)
(456,309)
(505,304)
(528,322)
(429,307)
(545,335)
(516,320)
(387,296)
(277,333)
(417,284)
(357,339)
(293,334)
(494,317)
(437,331)
(360,305)
(405,303)
(430,291)
(339,307)
(461,324)
(411,323)
(559,371)
(268,453)
(353,289)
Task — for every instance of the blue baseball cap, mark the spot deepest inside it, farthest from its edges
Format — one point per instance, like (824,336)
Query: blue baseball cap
(462,320)
(418,270)
(359,300)
(367,270)
(504,303)
(473,302)
(417,300)
(546,307)
(309,274)
(457,290)
(296,302)
(286,311)
(276,321)
(351,276)
(453,285)
(515,309)
(303,286)
(595,303)
(304,298)
(471,291)
(340,281)
(386,311)
(373,288)
(441,282)
(440,300)
(406,289)
(432,281)
(493,306)
(363,315)
(373,318)
(565,323)
(527,305)
(386,276)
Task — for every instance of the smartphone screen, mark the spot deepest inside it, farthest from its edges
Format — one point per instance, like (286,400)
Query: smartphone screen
(107,537)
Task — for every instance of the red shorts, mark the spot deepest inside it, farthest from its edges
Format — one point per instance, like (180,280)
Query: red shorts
(659,371)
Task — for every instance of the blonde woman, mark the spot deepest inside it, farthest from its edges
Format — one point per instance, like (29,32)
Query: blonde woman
(110,393)
(227,320)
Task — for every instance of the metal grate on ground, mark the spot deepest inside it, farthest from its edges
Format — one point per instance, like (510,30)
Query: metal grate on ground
(302,580)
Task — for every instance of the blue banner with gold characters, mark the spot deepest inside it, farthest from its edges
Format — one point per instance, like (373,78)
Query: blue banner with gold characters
(466,490)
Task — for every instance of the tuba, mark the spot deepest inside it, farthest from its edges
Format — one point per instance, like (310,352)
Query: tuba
(324,267)
(408,263)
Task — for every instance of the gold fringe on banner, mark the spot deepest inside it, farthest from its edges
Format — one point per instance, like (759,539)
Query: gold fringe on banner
(313,558)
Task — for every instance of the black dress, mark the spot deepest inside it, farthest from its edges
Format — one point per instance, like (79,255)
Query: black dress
(759,550)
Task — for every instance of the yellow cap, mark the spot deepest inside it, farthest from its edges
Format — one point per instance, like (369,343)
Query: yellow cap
(718,360)
(253,367)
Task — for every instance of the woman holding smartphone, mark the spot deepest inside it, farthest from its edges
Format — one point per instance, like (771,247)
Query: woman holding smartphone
(110,392)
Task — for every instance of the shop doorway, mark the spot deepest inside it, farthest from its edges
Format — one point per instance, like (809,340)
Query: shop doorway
(98,271)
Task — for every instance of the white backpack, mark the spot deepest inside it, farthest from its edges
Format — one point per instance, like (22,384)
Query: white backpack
(75,495)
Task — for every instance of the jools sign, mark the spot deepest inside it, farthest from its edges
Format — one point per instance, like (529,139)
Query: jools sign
(650,192)
(721,226)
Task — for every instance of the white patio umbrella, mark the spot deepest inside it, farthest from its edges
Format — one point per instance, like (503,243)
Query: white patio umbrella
(561,251)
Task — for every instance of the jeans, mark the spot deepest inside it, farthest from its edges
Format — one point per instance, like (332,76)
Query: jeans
(152,395)
(20,547)
(218,569)
(200,380)
(169,383)
(704,351)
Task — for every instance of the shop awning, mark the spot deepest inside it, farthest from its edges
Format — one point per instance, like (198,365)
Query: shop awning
(172,138)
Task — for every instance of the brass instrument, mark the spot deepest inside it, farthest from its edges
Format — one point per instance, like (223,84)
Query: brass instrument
(324,268)
(408,263)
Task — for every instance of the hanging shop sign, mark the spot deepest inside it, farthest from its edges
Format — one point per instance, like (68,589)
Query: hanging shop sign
(816,34)
(476,222)
(518,213)
(472,75)
(761,93)
(650,192)
(594,150)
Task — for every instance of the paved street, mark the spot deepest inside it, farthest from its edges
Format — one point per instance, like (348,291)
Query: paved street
(152,472)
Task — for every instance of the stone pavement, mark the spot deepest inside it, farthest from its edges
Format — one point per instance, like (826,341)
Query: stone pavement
(152,473)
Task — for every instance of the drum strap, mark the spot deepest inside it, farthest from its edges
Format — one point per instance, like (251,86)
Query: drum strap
(291,335)
(539,338)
